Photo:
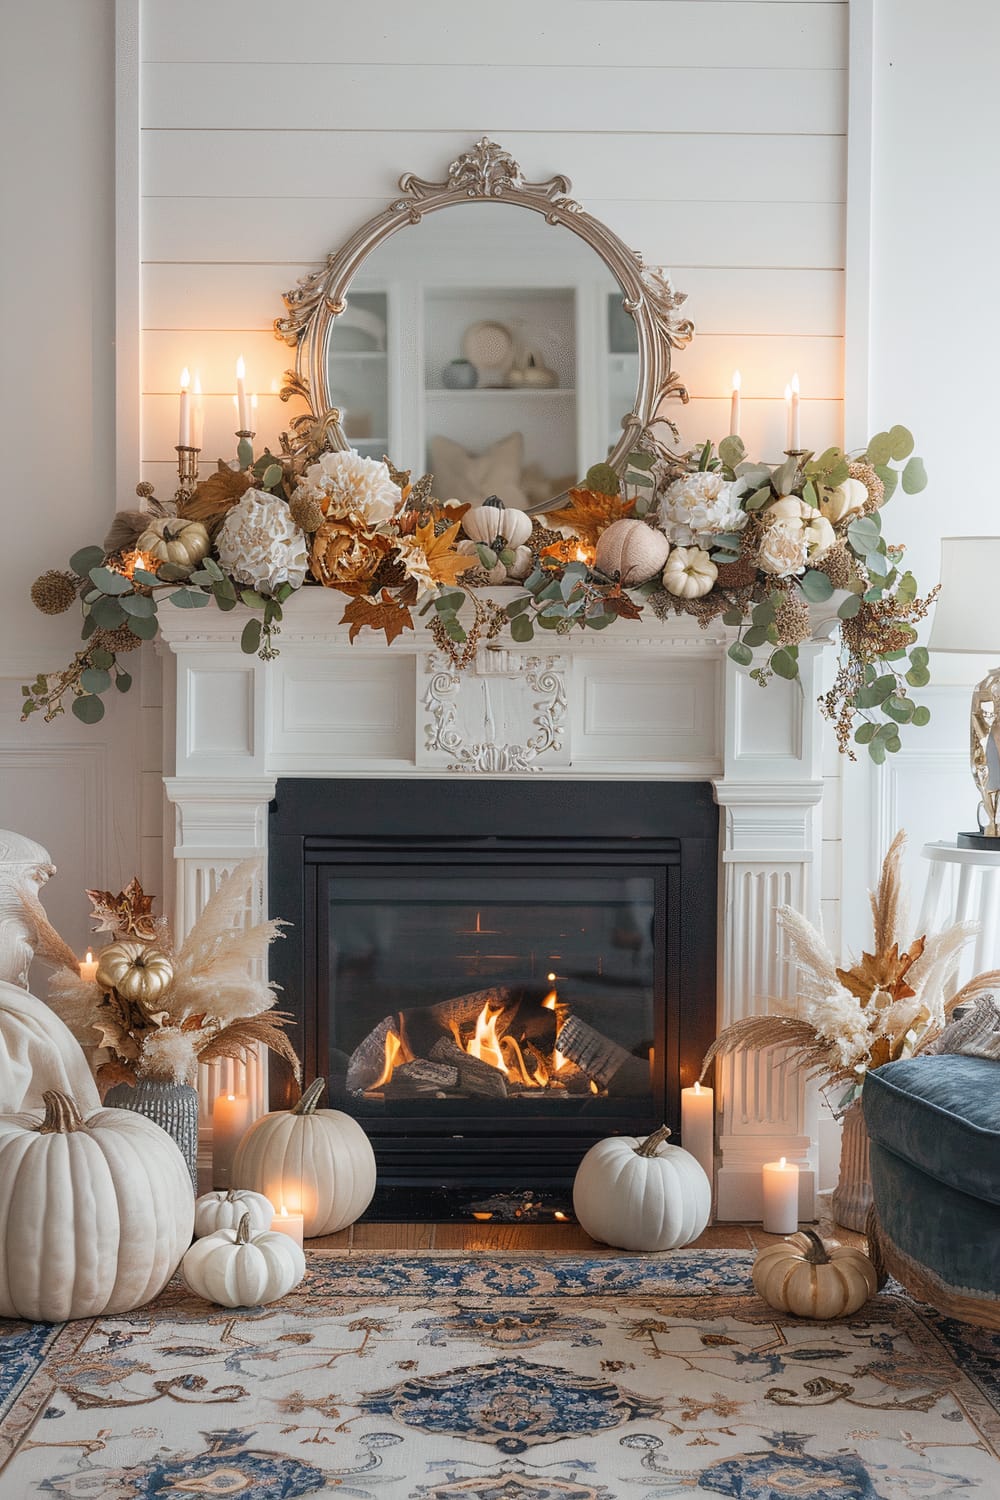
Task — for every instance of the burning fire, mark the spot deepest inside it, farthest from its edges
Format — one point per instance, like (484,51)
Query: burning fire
(485,1044)
(393,1046)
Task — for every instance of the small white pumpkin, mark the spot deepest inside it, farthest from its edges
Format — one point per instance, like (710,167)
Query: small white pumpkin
(224,1210)
(522,564)
(690,573)
(137,971)
(790,508)
(820,536)
(96,1213)
(848,499)
(317,1162)
(495,575)
(814,1278)
(493,521)
(641,1195)
(237,1268)
(172,539)
(631,550)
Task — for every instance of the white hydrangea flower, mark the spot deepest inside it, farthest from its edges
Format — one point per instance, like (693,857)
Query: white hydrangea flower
(260,544)
(700,506)
(346,484)
(784,549)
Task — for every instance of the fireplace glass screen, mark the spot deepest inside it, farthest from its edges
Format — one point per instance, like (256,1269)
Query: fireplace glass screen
(483,988)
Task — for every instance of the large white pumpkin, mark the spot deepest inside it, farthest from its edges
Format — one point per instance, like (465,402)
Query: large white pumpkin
(317,1162)
(238,1268)
(641,1195)
(96,1214)
(631,550)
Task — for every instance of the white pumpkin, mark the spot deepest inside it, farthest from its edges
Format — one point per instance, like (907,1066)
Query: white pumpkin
(689,573)
(790,508)
(641,1195)
(848,499)
(495,575)
(172,539)
(493,521)
(632,551)
(522,565)
(238,1268)
(224,1210)
(96,1214)
(814,1278)
(317,1162)
(820,536)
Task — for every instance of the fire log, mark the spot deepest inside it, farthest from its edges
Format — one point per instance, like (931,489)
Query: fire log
(415,1079)
(367,1062)
(608,1064)
(474,1077)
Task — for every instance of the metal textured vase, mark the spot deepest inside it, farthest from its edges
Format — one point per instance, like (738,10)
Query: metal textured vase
(172,1106)
(852,1197)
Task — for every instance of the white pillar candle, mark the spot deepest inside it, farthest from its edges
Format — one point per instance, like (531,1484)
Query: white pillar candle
(698,1126)
(794,438)
(734,407)
(781,1196)
(88,967)
(242,406)
(184,424)
(291,1224)
(197,415)
(230,1122)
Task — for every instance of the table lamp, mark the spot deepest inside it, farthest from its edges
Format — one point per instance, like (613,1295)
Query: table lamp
(967,618)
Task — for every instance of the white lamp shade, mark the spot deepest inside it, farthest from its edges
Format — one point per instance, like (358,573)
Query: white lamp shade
(967,613)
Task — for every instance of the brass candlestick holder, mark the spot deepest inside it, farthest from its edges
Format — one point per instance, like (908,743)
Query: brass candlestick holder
(187,471)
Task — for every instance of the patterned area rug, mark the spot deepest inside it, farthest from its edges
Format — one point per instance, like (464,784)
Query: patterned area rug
(502,1378)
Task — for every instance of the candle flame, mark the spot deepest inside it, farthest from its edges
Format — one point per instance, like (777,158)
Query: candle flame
(231,1098)
(241,369)
(90,956)
(185,378)
(551,978)
(283,1211)
(559,1214)
(697,1087)
(737,380)
(795,383)
(782,1162)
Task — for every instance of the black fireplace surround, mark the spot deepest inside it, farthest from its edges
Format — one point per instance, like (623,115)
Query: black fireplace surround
(561,933)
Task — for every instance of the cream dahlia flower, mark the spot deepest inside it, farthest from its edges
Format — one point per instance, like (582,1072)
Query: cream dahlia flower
(345,483)
(697,507)
(783,549)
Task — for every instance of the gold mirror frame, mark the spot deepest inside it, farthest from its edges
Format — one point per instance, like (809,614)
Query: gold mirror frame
(490,174)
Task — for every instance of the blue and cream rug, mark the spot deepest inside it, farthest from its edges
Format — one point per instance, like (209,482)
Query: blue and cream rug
(452,1377)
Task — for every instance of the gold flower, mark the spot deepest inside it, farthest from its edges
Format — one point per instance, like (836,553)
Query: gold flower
(345,550)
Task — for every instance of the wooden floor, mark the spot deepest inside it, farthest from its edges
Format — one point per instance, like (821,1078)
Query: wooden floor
(525,1239)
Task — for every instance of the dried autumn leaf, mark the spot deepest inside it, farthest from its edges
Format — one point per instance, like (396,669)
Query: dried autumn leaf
(590,513)
(882,971)
(377,614)
(214,496)
(127,914)
(431,559)
(621,605)
(113,1072)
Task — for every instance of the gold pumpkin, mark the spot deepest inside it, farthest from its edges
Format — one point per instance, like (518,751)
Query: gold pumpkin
(814,1278)
(631,550)
(137,971)
(172,539)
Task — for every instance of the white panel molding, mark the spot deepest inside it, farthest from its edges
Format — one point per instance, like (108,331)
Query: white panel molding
(128,195)
(857,250)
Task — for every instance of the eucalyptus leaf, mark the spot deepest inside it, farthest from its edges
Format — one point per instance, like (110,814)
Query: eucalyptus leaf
(783,478)
(139,605)
(487,557)
(212,567)
(599,622)
(142,627)
(172,573)
(918,677)
(285,591)
(864,734)
(755,636)
(898,708)
(123,681)
(864,534)
(733,616)
(102,659)
(252,599)
(95,680)
(109,582)
(816,586)
(150,580)
(641,481)
(740,653)
(920,656)
(889,478)
(876,749)
(107,613)
(517,607)
(86,558)
(879,450)
(849,607)
(637,459)
(88,709)
(901,442)
(224,602)
(732,451)
(914,477)
(272,476)
(604,479)
(521,628)
(758,498)
(250,639)
(784,662)
(921,715)
(810,494)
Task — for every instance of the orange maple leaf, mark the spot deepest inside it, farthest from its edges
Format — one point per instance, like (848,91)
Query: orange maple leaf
(385,614)
(444,564)
(589,513)
(882,971)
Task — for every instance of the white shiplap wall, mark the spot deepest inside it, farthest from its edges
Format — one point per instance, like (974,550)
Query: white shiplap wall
(709,133)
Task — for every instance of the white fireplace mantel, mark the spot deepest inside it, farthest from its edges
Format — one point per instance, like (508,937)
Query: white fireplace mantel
(647,700)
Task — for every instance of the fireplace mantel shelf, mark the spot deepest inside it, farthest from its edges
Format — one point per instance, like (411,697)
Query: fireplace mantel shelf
(645,700)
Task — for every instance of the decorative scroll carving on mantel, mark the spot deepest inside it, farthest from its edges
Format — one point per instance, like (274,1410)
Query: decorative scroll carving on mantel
(542,677)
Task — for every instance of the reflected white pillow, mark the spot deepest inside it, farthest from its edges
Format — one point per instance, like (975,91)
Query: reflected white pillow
(471,477)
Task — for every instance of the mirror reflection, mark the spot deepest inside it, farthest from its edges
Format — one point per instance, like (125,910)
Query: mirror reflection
(488,347)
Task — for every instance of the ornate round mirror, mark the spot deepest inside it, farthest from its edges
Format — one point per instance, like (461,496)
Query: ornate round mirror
(505,345)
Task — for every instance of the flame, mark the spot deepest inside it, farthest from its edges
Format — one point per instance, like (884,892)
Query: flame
(392,1049)
(486,1044)
(551,1001)
(593,1087)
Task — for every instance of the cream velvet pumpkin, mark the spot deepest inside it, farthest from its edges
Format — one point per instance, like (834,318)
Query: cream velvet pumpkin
(224,1210)
(814,1278)
(690,573)
(171,539)
(96,1214)
(238,1268)
(631,550)
(315,1161)
(641,1195)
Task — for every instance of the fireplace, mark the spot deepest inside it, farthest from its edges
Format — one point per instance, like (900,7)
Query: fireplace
(493,976)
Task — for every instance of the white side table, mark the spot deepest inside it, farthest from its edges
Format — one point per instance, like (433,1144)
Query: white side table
(973,896)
